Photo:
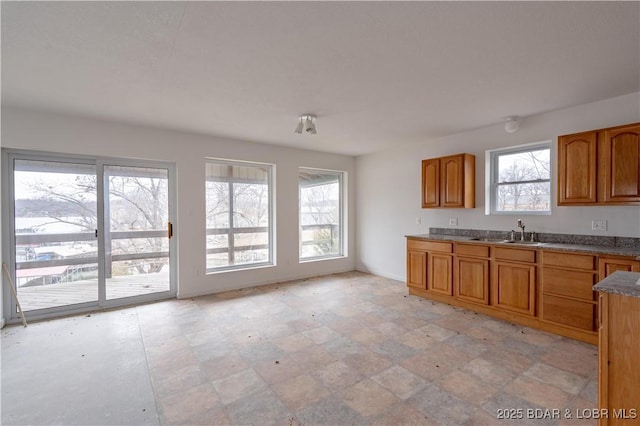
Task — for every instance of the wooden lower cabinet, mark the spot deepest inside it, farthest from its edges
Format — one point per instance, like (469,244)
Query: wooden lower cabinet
(439,271)
(513,287)
(567,281)
(471,279)
(569,312)
(608,265)
(417,269)
(618,372)
(542,288)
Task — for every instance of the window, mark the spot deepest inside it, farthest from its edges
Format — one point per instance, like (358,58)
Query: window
(320,195)
(239,214)
(520,179)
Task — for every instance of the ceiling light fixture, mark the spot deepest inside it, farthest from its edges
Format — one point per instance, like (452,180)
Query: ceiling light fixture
(307,124)
(512,125)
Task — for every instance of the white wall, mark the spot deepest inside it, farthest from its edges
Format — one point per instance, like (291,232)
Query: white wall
(388,189)
(43,131)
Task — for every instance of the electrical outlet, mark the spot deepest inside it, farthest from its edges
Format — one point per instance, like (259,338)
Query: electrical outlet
(418,220)
(599,225)
(453,221)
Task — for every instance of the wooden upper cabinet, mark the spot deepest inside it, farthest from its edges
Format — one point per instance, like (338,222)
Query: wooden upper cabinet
(449,181)
(577,168)
(600,167)
(620,158)
(431,183)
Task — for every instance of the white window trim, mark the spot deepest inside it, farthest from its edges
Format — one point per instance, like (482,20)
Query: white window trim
(491,178)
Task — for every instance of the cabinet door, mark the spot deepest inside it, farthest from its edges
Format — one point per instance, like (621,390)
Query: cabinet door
(472,280)
(608,266)
(620,165)
(514,287)
(452,181)
(417,269)
(439,273)
(577,168)
(431,183)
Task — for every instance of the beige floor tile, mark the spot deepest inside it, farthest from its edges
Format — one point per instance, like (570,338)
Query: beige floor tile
(367,336)
(417,340)
(338,375)
(488,372)
(294,342)
(403,414)
(544,395)
(276,371)
(436,332)
(568,382)
(300,392)
(467,387)
(321,334)
(217,368)
(368,398)
(401,382)
(238,385)
(178,380)
(193,406)
(573,357)
(513,361)
(367,362)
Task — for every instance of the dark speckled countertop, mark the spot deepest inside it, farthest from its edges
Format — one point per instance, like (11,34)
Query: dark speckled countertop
(570,246)
(620,282)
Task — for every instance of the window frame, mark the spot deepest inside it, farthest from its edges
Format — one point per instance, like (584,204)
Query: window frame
(271,170)
(492,184)
(342,176)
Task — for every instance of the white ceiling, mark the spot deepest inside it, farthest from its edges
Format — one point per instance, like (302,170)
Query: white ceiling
(377,74)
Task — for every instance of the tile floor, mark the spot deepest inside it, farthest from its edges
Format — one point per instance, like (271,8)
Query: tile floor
(344,349)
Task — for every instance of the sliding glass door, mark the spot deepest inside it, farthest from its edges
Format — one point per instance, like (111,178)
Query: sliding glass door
(87,233)
(137,232)
(56,237)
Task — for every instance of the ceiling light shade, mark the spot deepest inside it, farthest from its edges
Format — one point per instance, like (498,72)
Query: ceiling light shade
(512,125)
(307,124)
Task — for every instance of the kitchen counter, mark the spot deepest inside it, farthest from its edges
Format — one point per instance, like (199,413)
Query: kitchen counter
(584,248)
(622,283)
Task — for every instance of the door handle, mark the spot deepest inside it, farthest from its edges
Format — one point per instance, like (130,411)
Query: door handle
(169,230)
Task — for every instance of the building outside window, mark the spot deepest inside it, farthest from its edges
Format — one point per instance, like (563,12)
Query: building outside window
(321,213)
(520,179)
(239,214)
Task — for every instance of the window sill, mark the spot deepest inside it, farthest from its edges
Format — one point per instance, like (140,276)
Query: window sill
(319,259)
(520,213)
(239,268)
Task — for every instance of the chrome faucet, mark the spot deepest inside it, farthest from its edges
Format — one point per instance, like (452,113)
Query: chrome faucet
(521,225)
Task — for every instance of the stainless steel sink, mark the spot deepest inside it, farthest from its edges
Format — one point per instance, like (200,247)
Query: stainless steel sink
(502,240)
(528,243)
(489,240)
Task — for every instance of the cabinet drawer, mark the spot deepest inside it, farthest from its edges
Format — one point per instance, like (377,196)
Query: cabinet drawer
(430,246)
(569,312)
(516,255)
(472,250)
(569,260)
(576,284)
